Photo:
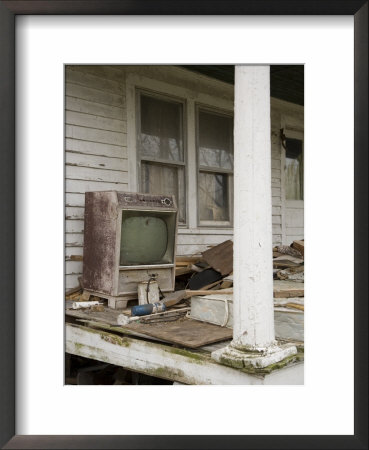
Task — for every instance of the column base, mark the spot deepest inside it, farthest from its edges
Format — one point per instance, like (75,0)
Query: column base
(254,358)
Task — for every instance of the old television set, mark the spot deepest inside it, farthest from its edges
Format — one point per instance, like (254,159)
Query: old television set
(128,238)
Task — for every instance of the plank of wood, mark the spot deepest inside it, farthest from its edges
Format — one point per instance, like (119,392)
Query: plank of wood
(299,245)
(220,257)
(191,293)
(188,259)
(186,332)
(287,289)
(183,270)
(287,250)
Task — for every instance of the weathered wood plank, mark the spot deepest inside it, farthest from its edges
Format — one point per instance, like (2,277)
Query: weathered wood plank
(294,218)
(97,162)
(220,257)
(277,229)
(92,174)
(193,249)
(202,239)
(73,239)
(74,200)
(71,281)
(165,361)
(155,359)
(296,231)
(276,192)
(276,163)
(95,148)
(92,135)
(74,213)
(98,109)
(71,251)
(73,267)
(93,121)
(74,226)
(77,75)
(106,72)
(94,95)
(82,186)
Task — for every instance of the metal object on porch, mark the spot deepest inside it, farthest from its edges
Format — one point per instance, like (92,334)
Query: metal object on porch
(216,309)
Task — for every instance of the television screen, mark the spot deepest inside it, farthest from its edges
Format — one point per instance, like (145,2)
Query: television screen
(146,238)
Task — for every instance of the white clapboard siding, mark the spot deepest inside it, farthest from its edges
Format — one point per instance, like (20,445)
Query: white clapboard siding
(96,141)
(74,213)
(201,239)
(74,226)
(95,148)
(94,121)
(94,95)
(74,239)
(294,217)
(97,162)
(98,109)
(295,231)
(83,186)
(73,267)
(92,174)
(92,135)
(73,199)
(73,251)
(188,250)
(78,75)
(107,73)
(71,280)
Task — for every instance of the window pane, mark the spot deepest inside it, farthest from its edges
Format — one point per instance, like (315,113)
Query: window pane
(294,170)
(161,134)
(215,140)
(213,196)
(159,179)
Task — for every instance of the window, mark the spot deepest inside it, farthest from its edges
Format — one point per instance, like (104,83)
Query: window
(161,148)
(294,170)
(215,163)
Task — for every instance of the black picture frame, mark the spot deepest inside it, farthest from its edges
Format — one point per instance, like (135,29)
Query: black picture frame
(8,11)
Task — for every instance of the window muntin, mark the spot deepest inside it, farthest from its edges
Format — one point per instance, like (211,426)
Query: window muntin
(161,148)
(215,161)
(294,169)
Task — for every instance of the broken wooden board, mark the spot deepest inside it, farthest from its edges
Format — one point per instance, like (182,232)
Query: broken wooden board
(299,245)
(286,261)
(185,332)
(287,289)
(287,250)
(220,257)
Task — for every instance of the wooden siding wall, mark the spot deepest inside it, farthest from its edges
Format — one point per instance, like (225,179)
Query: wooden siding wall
(96,149)
(276,177)
(97,159)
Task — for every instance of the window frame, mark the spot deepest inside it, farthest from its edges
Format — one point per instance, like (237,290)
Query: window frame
(159,161)
(213,170)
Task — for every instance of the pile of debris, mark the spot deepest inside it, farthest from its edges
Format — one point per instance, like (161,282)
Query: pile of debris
(288,261)
(211,269)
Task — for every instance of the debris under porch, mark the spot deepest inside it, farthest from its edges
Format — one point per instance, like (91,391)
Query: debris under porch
(176,345)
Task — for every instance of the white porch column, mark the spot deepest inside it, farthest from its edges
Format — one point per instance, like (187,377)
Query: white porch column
(253,314)
(253,269)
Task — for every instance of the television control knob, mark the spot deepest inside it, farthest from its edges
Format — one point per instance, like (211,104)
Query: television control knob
(166,201)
